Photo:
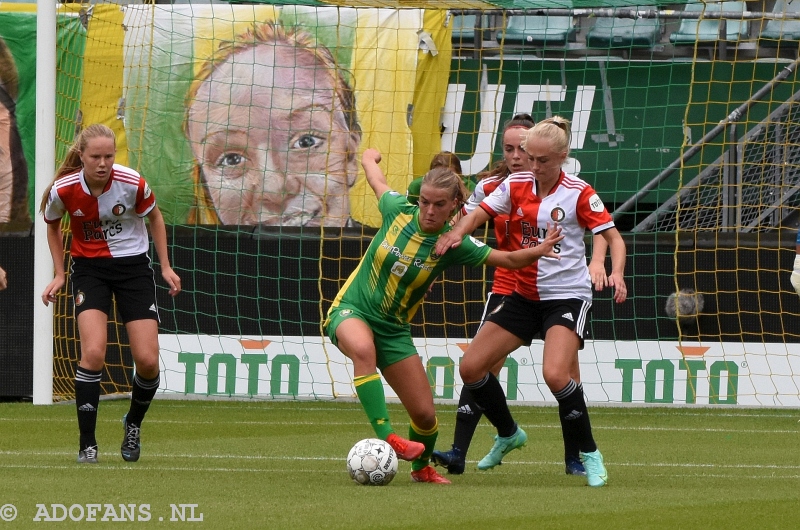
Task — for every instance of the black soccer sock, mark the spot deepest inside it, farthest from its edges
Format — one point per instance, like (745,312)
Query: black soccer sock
(141,396)
(571,443)
(87,399)
(489,395)
(575,416)
(468,416)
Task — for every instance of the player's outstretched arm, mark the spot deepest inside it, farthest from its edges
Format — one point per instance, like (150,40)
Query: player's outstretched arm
(375,177)
(522,258)
(465,225)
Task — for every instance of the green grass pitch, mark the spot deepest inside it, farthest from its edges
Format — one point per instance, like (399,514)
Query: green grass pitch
(274,465)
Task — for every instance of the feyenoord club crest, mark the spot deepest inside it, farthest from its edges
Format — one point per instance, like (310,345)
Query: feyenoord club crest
(118,209)
(557,214)
(79,298)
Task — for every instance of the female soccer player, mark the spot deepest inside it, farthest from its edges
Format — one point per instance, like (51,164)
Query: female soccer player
(550,298)
(468,415)
(107,204)
(369,319)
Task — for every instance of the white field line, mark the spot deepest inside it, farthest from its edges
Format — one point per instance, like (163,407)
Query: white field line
(734,429)
(518,410)
(195,469)
(283,458)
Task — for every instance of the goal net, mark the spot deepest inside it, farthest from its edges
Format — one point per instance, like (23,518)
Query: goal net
(249,119)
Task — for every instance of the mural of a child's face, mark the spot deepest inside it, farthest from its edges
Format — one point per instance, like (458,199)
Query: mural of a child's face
(6,166)
(272,139)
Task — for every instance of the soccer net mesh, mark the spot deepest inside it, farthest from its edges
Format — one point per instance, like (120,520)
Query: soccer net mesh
(249,119)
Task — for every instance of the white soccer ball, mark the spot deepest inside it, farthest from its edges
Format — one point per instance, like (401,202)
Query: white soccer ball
(372,462)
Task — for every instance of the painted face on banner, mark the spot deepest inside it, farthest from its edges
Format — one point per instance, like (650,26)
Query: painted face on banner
(272,139)
(6,167)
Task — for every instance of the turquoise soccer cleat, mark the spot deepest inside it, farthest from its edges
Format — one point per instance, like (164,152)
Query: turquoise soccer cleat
(503,446)
(596,474)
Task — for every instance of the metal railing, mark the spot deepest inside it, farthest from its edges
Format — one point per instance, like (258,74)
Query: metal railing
(752,187)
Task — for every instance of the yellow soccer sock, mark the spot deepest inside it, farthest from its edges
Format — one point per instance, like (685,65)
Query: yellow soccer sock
(428,439)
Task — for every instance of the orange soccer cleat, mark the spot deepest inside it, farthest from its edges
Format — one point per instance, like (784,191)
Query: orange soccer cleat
(428,474)
(405,449)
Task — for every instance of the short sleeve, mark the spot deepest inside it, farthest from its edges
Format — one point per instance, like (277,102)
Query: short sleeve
(145,199)
(54,209)
(471,252)
(499,201)
(592,213)
(390,204)
(478,194)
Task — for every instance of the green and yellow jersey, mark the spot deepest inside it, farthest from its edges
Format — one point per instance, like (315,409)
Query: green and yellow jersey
(400,264)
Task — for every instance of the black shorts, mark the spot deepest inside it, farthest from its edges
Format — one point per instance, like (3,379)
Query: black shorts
(528,318)
(130,279)
(492,301)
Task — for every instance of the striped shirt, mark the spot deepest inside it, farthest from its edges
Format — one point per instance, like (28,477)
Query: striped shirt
(574,206)
(504,280)
(400,264)
(109,226)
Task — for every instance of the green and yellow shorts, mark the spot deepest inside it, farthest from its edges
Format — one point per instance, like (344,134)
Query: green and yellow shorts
(393,341)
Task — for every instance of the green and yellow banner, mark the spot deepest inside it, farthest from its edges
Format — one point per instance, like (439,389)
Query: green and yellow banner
(18,104)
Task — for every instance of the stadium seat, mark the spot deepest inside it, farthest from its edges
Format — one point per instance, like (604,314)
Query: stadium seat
(464,28)
(612,32)
(538,30)
(777,30)
(694,30)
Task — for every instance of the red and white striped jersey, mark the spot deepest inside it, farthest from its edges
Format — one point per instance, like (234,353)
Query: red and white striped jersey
(504,279)
(109,226)
(574,206)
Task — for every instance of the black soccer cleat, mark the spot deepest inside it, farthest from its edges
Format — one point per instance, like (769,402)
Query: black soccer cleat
(88,455)
(131,447)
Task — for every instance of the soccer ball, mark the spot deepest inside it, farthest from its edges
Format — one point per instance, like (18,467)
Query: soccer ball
(372,462)
(685,305)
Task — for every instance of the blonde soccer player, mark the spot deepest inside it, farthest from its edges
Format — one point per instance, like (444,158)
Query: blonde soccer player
(107,204)
(551,299)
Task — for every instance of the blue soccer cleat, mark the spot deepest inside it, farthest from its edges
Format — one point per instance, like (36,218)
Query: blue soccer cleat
(453,460)
(574,466)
